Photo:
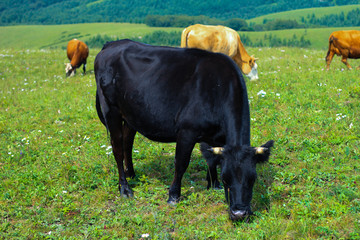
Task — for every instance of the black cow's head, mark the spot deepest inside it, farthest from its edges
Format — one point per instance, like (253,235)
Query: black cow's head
(238,174)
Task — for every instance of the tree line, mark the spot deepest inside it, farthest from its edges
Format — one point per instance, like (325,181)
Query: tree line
(234,23)
(184,21)
(238,24)
(162,38)
(352,18)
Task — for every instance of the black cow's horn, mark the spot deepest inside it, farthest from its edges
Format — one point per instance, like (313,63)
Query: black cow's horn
(260,150)
(217,150)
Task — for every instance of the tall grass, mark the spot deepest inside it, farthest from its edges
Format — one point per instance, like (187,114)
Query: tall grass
(59,179)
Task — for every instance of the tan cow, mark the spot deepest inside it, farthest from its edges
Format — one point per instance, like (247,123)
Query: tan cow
(220,39)
(77,52)
(344,43)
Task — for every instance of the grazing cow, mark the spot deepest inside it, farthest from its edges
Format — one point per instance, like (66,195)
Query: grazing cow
(184,96)
(220,39)
(77,53)
(344,43)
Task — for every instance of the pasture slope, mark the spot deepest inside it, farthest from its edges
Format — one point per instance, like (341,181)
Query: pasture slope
(304,13)
(57,36)
(59,178)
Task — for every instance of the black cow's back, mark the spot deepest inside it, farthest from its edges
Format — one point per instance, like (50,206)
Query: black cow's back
(159,90)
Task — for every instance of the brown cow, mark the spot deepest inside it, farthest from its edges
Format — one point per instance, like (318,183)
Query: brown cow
(77,52)
(220,39)
(344,43)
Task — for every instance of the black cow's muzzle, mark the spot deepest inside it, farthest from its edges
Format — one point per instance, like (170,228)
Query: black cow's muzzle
(240,215)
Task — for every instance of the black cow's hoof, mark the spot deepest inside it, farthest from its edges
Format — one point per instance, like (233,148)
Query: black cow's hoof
(172,201)
(216,185)
(126,192)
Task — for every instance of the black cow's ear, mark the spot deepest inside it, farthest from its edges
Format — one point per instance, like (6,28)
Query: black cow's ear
(269,144)
(262,153)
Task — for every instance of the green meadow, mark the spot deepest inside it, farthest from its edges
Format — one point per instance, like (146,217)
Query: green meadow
(319,37)
(59,178)
(57,36)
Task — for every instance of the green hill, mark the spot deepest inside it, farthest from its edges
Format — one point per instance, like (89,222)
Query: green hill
(300,14)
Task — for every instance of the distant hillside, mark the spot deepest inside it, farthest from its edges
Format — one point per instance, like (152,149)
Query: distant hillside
(86,11)
(301,14)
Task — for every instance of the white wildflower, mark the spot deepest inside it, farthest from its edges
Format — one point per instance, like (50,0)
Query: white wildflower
(339,116)
(262,93)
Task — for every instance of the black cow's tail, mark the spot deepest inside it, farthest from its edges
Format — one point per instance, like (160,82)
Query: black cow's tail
(98,109)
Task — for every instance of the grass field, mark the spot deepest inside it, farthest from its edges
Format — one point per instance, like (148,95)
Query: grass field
(304,13)
(319,37)
(57,36)
(59,179)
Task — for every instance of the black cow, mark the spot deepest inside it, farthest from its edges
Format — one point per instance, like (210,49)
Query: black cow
(184,96)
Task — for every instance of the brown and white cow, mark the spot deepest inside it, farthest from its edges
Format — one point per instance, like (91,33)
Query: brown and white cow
(344,43)
(223,40)
(77,53)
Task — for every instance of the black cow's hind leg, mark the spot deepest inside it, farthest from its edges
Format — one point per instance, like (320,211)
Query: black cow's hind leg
(184,147)
(116,134)
(129,135)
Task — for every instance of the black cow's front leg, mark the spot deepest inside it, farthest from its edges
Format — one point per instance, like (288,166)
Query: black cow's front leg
(184,147)
(212,176)
(212,161)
